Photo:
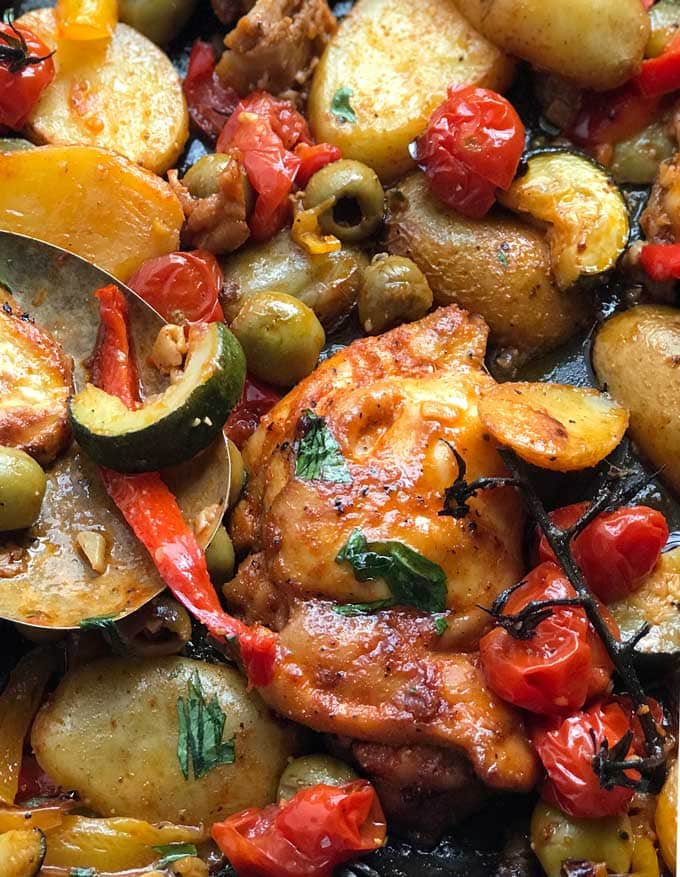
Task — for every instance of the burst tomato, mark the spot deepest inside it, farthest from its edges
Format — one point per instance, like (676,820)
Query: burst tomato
(616,551)
(210,102)
(308,836)
(256,401)
(471,147)
(26,69)
(313,158)
(182,287)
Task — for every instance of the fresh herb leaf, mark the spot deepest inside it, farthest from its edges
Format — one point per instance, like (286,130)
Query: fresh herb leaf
(173,852)
(318,453)
(82,872)
(201,725)
(102,622)
(108,627)
(351,610)
(341,107)
(413,579)
(440,625)
(502,258)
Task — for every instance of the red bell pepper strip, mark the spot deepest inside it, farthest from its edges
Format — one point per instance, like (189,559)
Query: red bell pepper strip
(154,516)
(661,261)
(660,75)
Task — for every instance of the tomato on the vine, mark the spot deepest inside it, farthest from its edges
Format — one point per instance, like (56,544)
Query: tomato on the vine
(182,286)
(471,147)
(307,836)
(616,551)
(26,69)
(256,401)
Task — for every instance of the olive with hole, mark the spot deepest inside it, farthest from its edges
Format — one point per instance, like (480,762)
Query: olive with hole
(220,558)
(280,336)
(355,196)
(159,20)
(22,488)
(394,290)
(162,627)
(312,770)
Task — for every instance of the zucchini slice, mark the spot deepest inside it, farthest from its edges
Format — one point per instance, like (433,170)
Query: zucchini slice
(586,215)
(22,852)
(174,426)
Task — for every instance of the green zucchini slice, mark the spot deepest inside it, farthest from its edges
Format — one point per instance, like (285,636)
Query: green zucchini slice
(175,425)
(583,208)
(22,852)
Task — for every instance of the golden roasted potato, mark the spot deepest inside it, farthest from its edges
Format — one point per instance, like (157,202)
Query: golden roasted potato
(635,356)
(89,201)
(22,853)
(112,732)
(666,818)
(596,45)
(121,94)
(393,67)
(553,426)
(498,267)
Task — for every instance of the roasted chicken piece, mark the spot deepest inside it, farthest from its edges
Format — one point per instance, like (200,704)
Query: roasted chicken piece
(35,383)
(396,406)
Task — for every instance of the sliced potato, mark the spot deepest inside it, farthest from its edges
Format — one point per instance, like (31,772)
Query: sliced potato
(22,853)
(587,217)
(89,201)
(121,94)
(396,66)
(666,818)
(597,45)
(553,426)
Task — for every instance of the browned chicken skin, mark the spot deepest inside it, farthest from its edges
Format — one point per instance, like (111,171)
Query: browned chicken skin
(388,679)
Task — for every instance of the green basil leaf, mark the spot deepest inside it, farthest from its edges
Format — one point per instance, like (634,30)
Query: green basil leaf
(173,852)
(351,610)
(413,579)
(201,726)
(318,453)
(341,107)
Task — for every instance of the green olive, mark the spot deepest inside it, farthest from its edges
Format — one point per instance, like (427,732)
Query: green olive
(556,838)
(22,488)
(394,290)
(159,20)
(220,557)
(203,178)
(238,474)
(161,627)
(310,770)
(14,144)
(637,159)
(281,337)
(664,18)
(356,196)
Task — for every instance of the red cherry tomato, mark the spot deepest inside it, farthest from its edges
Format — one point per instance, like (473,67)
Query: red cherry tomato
(566,750)
(210,102)
(616,551)
(560,666)
(182,287)
(23,80)
(471,147)
(308,836)
(661,261)
(256,401)
(313,158)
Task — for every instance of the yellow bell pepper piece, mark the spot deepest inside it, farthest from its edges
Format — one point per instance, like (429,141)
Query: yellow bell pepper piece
(86,19)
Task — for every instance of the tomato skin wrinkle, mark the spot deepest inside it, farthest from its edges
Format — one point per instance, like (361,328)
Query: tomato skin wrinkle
(256,401)
(471,147)
(21,88)
(210,103)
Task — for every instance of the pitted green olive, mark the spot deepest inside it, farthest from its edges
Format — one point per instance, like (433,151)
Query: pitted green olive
(162,627)
(394,290)
(220,558)
(22,488)
(310,770)
(203,178)
(356,199)
(159,20)
(281,337)
(664,17)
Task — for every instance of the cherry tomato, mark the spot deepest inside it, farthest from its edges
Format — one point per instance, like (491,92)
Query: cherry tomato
(655,708)
(210,102)
(471,147)
(24,76)
(313,158)
(182,287)
(616,551)
(307,836)
(256,401)
(661,261)
(285,120)
(560,666)
(567,748)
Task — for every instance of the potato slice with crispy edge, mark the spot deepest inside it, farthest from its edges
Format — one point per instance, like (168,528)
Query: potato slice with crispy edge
(553,426)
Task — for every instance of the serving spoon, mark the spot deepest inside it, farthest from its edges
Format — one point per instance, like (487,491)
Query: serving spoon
(49,583)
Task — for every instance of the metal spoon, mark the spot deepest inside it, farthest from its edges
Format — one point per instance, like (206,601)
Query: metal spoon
(53,586)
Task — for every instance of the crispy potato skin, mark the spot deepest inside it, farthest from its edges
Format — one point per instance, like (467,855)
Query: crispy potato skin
(636,356)
(596,45)
(35,383)
(111,731)
(464,261)
(121,94)
(398,65)
(89,201)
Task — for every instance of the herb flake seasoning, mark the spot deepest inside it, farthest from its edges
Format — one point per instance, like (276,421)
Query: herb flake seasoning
(201,725)
(341,107)
(318,453)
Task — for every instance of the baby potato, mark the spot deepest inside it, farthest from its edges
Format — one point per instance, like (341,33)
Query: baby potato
(112,728)
(121,94)
(393,67)
(635,356)
(553,426)
(22,853)
(596,45)
(666,818)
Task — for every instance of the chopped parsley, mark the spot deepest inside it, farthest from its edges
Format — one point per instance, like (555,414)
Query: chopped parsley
(109,629)
(341,107)
(318,453)
(440,624)
(173,852)
(201,725)
(413,579)
(502,257)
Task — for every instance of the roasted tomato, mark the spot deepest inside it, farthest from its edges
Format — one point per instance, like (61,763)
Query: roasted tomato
(256,401)
(471,147)
(210,103)
(26,69)
(313,158)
